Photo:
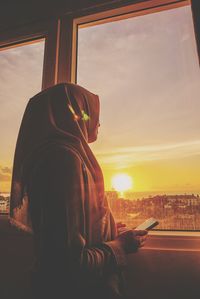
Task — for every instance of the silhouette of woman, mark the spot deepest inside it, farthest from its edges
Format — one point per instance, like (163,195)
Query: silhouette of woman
(58,195)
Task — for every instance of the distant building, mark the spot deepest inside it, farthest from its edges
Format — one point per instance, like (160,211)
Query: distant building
(179,211)
(4,204)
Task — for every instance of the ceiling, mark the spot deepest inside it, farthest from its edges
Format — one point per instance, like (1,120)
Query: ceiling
(16,13)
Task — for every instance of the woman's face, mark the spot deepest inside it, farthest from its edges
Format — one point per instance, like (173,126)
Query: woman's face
(96,131)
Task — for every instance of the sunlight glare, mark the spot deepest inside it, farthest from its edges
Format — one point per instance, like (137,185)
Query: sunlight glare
(122,182)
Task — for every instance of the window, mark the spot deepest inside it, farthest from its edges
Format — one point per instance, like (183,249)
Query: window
(145,69)
(20,79)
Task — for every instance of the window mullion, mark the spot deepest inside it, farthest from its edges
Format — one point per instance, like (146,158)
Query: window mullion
(51,55)
(66,61)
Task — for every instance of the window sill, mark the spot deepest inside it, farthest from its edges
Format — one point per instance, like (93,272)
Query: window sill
(173,241)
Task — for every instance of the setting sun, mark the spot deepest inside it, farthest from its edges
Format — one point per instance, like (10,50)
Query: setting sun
(122,182)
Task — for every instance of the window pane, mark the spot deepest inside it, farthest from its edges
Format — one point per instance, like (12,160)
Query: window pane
(145,70)
(20,78)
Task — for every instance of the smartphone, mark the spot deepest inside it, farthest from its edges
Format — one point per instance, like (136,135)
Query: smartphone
(148,224)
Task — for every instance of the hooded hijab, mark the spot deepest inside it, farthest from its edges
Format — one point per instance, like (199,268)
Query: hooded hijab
(58,191)
(65,115)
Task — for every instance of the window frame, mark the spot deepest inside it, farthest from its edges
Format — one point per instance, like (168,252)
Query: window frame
(68,57)
(69,24)
(60,66)
(48,31)
(26,35)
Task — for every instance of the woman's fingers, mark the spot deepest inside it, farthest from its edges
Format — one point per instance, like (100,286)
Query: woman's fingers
(121,227)
(141,240)
(140,232)
(132,240)
(122,230)
(120,224)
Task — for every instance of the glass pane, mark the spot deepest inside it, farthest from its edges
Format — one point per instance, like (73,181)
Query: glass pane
(145,70)
(20,78)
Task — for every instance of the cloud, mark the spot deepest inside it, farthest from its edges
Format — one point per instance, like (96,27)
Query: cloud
(5,173)
(6,169)
(125,156)
(147,81)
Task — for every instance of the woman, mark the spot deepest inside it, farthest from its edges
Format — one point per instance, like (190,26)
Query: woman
(58,195)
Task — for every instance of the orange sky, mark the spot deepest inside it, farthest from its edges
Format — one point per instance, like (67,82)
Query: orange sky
(146,73)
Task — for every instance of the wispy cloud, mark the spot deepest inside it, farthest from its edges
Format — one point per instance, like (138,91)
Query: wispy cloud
(6,169)
(5,173)
(127,156)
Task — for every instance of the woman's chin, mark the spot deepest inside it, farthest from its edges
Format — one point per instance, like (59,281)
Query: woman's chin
(92,139)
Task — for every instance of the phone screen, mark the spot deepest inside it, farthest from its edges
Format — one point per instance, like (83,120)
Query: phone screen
(148,224)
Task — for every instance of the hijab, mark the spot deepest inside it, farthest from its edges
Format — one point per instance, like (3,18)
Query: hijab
(63,115)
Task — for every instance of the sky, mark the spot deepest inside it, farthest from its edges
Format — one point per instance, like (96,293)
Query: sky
(145,70)
(20,78)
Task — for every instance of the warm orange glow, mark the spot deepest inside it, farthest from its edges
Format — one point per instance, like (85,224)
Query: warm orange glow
(122,182)
(151,133)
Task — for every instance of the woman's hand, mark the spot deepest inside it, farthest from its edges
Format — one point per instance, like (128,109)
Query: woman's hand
(121,227)
(131,240)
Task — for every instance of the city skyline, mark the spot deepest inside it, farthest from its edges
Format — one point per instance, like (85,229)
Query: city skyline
(173,212)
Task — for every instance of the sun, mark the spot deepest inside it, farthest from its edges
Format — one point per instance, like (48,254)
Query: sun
(122,182)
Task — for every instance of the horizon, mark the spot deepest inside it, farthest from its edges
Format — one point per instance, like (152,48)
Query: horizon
(150,193)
